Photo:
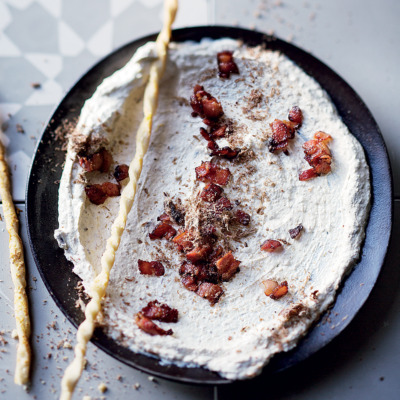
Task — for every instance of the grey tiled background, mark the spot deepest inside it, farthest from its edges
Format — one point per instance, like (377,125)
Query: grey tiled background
(53,42)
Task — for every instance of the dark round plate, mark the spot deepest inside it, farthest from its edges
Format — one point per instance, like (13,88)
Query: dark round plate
(42,203)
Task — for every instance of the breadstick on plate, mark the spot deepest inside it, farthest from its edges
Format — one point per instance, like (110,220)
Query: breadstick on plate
(17,266)
(98,290)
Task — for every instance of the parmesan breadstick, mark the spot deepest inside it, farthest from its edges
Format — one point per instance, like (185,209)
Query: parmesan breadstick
(99,287)
(17,266)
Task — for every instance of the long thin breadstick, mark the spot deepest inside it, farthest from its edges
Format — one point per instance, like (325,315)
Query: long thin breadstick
(85,330)
(17,266)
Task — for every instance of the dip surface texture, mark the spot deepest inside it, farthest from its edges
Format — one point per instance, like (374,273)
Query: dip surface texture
(238,335)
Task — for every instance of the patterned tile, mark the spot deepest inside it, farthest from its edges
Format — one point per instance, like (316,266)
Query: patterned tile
(16,76)
(85,17)
(33,29)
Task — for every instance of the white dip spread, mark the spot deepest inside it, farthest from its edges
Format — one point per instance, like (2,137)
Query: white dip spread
(237,336)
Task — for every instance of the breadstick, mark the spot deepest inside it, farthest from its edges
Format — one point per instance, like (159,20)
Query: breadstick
(17,267)
(99,287)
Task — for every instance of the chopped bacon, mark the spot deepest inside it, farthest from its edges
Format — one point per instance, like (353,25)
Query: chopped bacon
(160,312)
(164,217)
(199,272)
(189,282)
(295,232)
(307,174)
(226,65)
(154,268)
(211,192)
(242,217)
(322,137)
(279,291)
(227,266)
(209,172)
(225,152)
(318,155)
(222,204)
(216,254)
(98,193)
(218,132)
(121,172)
(206,135)
(193,275)
(296,116)
(200,253)
(269,286)
(204,104)
(99,161)
(210,291)
(148,326)
(111,189)
(183,241)
(282,131)
(271,246)
(107,161)
(162,230)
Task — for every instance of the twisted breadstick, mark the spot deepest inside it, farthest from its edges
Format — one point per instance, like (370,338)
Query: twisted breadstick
(17,266)
(85,330)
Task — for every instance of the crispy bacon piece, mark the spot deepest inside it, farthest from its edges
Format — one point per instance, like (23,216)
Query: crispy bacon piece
(148,326)
(189,282)
(295,232)
(154,268)
(269,286)
(271,246)
(279,291)
(164,217)
(205,105)
(183,241)
(218,132)
(227,266)
(209,172)
(282,131)
(98,193)
(160,312)
(199,272)
(242,217)
(121,172)
(99,161)
(211,193)
(307,174)
(223,203)
(296,116)
(162,230)
(225,152)
(206,135)
(193,275)
(226,65)
(200,253)
(318,155)
(210,291)
(216,254)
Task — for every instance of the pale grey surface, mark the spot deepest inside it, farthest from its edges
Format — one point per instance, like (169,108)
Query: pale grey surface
(47,41)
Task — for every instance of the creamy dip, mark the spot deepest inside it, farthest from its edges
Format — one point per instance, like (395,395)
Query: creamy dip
(237,336)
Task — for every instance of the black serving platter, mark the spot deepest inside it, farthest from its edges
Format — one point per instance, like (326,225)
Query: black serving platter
(46,170)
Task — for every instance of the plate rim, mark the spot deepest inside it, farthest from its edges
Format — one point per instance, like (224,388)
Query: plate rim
(278,362)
